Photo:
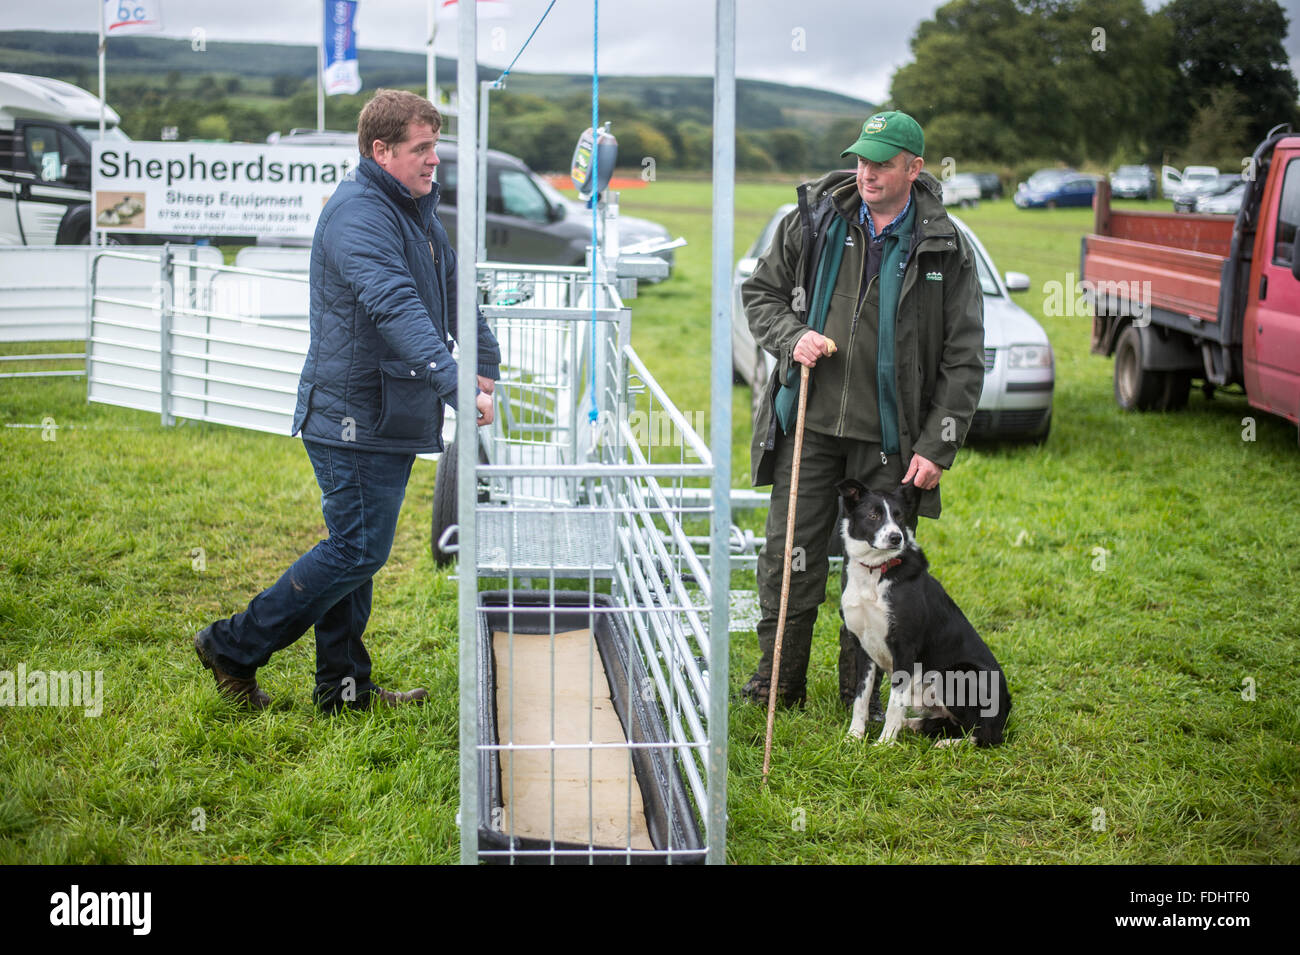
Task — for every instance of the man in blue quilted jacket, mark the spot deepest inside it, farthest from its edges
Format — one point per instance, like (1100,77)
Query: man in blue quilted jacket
(378,373)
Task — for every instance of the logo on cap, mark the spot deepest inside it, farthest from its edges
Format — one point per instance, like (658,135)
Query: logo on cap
(874,125)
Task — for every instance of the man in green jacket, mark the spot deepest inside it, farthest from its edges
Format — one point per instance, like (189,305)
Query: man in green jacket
(873,263)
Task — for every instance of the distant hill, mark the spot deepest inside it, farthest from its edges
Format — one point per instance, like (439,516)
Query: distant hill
(272,69)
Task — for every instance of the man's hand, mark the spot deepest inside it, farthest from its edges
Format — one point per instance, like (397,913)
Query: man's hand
(486,413)
(811,347)
(485,384)
(923,472)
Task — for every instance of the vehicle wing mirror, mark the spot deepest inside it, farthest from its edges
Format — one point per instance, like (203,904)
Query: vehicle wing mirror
(1017,282)
(557,212)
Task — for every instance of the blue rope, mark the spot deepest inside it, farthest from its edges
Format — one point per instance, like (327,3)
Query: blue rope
(593,414)
(507,70)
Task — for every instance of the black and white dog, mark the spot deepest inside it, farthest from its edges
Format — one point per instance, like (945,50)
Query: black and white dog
(912,630)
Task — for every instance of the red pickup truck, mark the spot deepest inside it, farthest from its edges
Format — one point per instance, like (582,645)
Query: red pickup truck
(1207,297)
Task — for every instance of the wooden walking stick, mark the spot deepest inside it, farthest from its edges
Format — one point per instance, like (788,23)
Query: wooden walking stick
(829,348)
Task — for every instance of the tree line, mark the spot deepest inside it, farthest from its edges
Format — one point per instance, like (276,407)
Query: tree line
(1001,84)
(1100,81)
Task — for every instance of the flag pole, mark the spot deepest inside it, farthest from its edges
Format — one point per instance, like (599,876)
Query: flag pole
(431,62)
(95,234)
(320,72)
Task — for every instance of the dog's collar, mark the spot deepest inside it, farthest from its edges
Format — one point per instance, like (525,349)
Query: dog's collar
(883,568)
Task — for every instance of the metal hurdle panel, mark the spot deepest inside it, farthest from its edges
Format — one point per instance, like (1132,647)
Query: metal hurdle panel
(209,342)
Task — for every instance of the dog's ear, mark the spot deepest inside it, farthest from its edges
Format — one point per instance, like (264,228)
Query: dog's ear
(851,491)
(911,495)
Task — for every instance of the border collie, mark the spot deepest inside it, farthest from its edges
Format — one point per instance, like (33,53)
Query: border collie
(912,630)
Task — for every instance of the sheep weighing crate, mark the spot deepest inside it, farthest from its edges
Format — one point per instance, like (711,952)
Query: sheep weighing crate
(594,697)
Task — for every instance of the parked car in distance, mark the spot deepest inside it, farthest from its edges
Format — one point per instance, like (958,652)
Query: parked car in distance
(1225,203)
(1188,198)
(1068,189)
(1191,179)
(1045,177)
(1133,182)
(961,189)
(1019,367)
(990,185)
(528,220)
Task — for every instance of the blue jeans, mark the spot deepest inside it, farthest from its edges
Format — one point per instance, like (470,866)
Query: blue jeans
(329,586)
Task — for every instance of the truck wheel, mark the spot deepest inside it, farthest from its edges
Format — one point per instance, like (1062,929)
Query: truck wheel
(1135,389)
(1177,386)
(444,501)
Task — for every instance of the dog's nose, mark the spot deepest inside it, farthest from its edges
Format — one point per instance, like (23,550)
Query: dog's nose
(895,538)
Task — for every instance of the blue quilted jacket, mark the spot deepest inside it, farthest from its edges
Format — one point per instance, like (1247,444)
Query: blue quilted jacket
(383,316)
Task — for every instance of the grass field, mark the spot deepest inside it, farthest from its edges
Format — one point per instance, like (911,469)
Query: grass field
(1136,576)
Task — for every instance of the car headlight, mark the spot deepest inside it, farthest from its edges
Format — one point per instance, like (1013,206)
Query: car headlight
(1030,356)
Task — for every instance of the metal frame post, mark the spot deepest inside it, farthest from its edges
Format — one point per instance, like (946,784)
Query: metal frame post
(466,429)
(485,87)
(724,193)
(166,271)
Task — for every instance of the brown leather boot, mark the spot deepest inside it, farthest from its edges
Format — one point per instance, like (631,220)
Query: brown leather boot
(240,691)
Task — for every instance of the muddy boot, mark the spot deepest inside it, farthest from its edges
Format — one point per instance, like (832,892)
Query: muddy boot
(796,648)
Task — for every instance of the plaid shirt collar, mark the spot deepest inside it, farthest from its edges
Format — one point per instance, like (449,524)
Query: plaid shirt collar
(864,214)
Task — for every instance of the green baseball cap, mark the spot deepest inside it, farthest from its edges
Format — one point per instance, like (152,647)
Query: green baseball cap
(884,134)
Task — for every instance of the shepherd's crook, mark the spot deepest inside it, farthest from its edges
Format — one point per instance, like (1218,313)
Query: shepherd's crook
(829,348)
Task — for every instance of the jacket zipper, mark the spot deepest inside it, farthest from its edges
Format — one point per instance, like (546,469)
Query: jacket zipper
(853,329)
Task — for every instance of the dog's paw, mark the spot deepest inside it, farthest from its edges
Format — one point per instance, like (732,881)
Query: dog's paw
(887,741)
(950,741)
(854,733)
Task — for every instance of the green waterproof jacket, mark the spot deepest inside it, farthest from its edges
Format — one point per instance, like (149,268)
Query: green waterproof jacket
(939,330)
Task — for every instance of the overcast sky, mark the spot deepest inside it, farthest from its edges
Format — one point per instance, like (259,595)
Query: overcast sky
(852,46)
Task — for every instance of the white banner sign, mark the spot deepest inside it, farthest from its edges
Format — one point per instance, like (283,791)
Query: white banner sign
(214,188)
(132,16)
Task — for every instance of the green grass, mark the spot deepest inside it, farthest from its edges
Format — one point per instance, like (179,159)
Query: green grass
(1127,681)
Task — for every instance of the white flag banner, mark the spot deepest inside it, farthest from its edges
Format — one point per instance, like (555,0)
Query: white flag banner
(487,9)
(340,71)
(132,16)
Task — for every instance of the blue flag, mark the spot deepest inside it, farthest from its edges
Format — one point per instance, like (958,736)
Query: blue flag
(339,67)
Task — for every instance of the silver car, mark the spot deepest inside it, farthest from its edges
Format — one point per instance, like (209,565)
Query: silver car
(1019,366)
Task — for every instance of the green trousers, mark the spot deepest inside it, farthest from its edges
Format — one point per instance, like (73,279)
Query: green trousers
(825,462)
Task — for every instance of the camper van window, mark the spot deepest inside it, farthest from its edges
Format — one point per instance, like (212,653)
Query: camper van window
(43,152)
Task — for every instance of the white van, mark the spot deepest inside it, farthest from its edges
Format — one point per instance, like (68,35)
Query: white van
(46,128)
